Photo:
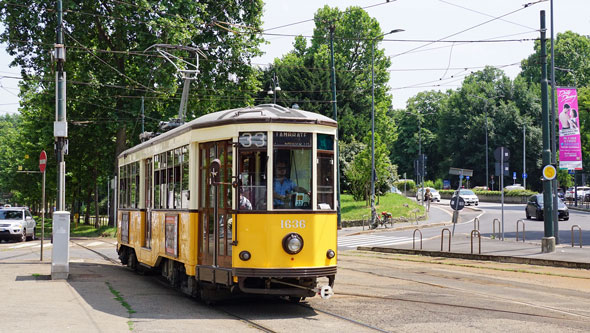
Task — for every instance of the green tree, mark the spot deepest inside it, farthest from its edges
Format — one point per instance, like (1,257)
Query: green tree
(108,71)
(358,173)
(304,73)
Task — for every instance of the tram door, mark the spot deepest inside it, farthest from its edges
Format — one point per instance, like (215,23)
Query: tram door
(215,231)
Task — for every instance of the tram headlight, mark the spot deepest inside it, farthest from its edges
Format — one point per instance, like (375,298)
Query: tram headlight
(292,243)
(245,255)
(330,254)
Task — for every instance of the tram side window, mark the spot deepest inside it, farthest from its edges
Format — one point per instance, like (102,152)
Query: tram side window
(325,169)
(252,171)
(171,179)
(292,171)
(129,185)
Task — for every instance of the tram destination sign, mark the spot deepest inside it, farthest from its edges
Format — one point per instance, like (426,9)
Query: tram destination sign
(292,139)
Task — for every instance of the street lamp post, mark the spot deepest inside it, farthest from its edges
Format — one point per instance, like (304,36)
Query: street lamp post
(275,88)
(373,174)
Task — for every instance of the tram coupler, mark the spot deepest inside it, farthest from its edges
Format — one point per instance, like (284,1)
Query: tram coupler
(325,292)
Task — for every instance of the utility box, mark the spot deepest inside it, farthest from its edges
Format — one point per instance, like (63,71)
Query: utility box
(60,255)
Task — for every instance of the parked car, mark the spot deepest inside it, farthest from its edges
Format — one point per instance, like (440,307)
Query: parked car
(514,187)
(534,208)
(435,194)
(582,192)
(16,223)
(480,188)
(395,190)
(560,194)
(468,196)
(569,194)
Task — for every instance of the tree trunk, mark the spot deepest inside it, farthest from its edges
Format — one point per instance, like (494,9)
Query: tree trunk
(96,222)
(119,148)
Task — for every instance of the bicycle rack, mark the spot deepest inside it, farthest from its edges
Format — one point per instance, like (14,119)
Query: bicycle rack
(478,237)
(414,239)
(579,229)
(494,228)
(474,224)
(523,232)
(442,237)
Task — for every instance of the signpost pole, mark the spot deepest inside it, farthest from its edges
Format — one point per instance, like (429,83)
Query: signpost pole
(42,165)
(42,215)
(502,185)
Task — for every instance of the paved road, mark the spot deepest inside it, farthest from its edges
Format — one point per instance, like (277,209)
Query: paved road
(486,213)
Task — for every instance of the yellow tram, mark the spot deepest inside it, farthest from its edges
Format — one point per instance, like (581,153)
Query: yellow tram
(236,201)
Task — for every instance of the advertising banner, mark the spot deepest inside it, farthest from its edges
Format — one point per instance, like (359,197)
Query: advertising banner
(570,147)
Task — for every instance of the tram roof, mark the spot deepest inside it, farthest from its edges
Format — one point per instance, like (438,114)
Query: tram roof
(264,113)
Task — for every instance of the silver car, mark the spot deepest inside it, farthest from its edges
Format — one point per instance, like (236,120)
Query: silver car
(16,223)
(468,196)
(433,192)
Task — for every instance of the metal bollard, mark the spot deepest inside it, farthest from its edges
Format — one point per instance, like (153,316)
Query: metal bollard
(494,227)
(523,232)
(476,226)
(479,237)
(579,229)
(442,237)
(414,239)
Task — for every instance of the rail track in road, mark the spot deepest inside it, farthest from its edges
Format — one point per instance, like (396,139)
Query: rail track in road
(571,315)
(235,314)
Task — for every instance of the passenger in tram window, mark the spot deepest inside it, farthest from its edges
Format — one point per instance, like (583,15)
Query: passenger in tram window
(245,204)
(283,187)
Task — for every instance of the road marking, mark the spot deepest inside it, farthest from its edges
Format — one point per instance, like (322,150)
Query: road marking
(23,245)
(364,240)
(95,243)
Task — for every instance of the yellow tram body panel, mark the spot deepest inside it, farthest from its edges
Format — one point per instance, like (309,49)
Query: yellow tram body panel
(262,235)
(187,241)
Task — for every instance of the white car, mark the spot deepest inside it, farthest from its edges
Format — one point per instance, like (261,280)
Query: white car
(16,223)
(433,192)
(468,196)
(582,191)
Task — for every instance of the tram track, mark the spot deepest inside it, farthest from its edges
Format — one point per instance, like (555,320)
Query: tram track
(580,317)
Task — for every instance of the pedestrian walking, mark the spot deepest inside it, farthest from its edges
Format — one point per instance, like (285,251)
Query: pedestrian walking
(428,198)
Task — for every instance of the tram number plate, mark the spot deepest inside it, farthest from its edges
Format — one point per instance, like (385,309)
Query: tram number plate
(292,224)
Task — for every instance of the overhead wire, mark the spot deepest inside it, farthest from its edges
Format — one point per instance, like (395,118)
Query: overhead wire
(461,31)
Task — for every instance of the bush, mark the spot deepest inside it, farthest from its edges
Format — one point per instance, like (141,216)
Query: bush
(438,184)
(429,183)
(410,185)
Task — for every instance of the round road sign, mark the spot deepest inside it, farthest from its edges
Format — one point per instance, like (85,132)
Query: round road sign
(549,172)
(459,205)
(42,161)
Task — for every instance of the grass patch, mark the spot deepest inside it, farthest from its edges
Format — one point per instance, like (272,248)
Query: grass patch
(123,303)
(36,274)
(82,230)
(396,204)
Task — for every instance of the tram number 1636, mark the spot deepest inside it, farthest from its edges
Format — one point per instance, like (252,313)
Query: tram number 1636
(292,224)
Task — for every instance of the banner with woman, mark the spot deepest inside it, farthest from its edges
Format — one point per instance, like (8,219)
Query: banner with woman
(570,147)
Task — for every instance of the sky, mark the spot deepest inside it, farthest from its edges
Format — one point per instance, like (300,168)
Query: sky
(416,66)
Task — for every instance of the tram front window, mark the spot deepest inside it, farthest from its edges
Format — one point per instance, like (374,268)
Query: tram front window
(292,170)
(252,171)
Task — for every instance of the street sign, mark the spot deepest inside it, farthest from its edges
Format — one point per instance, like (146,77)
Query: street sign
(571,171)
(514,175)
(506,169)
(467,177)
(42,161)
(498,154)
(458,171)
(549,172)
(454,204)
(524,175)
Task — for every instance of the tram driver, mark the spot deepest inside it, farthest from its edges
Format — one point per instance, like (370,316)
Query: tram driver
(283,187)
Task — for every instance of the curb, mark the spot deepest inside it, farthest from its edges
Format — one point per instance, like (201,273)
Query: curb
(420,226)
(485,257)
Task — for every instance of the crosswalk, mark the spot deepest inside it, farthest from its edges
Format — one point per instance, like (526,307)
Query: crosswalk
(371,240)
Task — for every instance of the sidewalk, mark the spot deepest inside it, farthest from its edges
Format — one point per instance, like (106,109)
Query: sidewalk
(491,249)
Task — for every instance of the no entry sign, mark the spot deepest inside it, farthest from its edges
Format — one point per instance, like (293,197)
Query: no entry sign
(42,161)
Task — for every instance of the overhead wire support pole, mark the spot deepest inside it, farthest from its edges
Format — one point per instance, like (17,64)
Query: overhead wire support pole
(548,241)
(335,111)
(60,126)
(553,136)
